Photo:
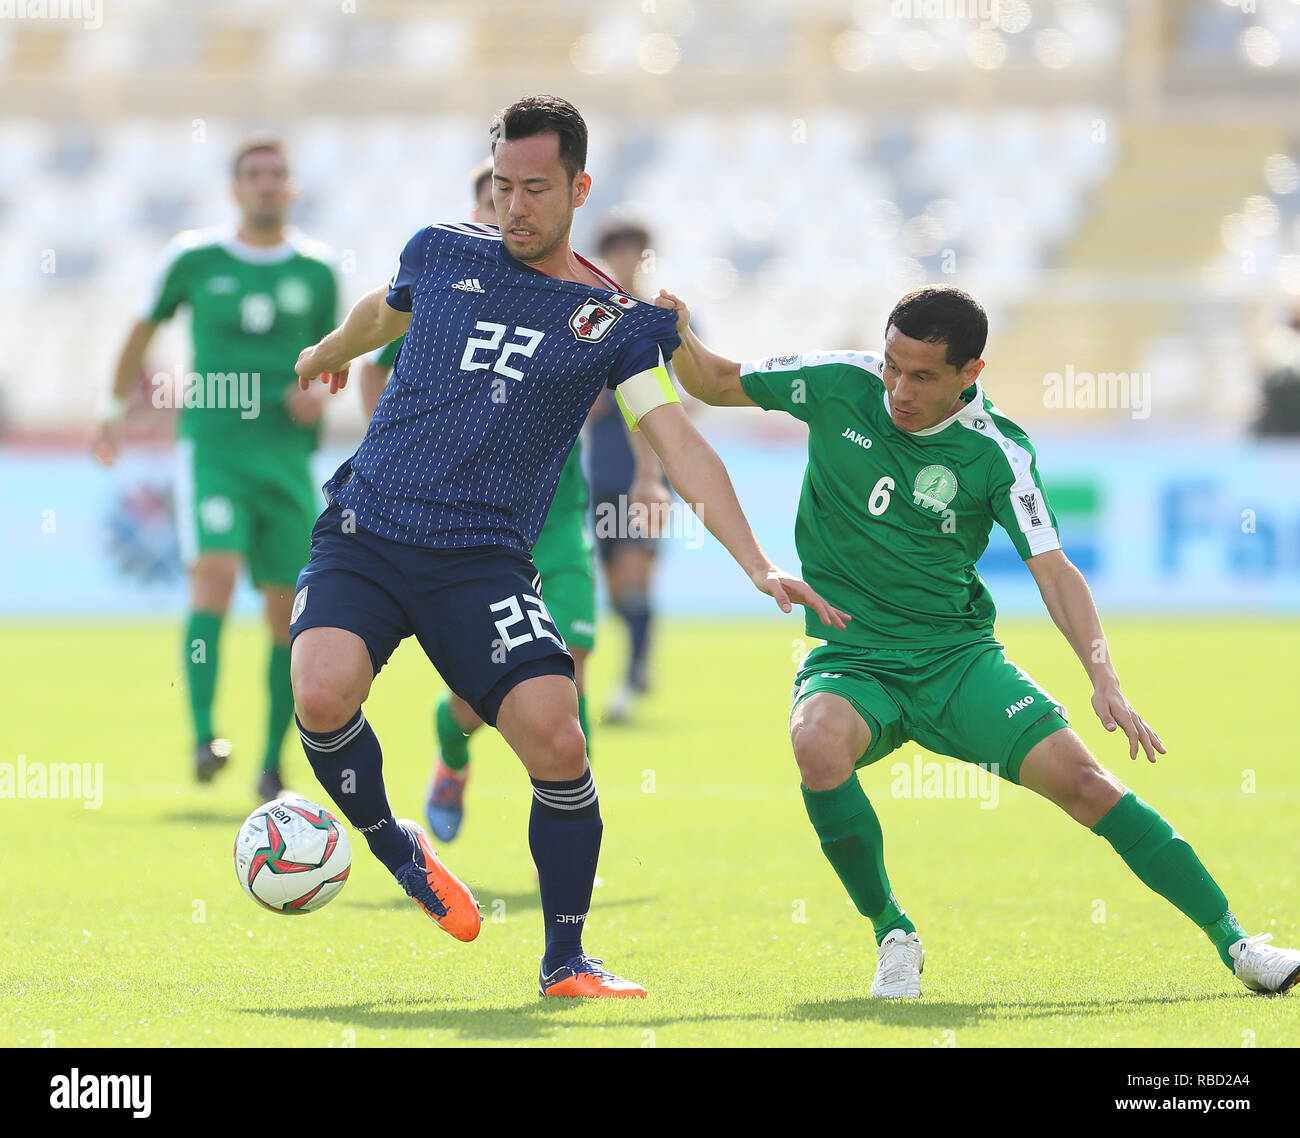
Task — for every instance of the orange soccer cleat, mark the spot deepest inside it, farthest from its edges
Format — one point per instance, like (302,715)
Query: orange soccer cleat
(582,976)
(438,891)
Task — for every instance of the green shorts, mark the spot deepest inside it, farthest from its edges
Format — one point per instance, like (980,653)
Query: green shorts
(262,509)
(563,556)
(969,701)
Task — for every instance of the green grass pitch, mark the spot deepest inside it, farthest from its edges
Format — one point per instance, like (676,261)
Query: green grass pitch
(124,925)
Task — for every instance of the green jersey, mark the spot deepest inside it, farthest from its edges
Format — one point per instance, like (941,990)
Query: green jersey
(570,491)
(386,356)
(252,311)
(891,522)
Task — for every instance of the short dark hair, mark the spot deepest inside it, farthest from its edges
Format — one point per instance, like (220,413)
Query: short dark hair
(254,143)
(480,174)
(943,314)
(539,114)
(617,233)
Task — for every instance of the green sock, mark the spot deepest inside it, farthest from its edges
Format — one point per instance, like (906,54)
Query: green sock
(202,634)
(582,720)
(854,845)
(453,743)
(1164,862)
(280,714)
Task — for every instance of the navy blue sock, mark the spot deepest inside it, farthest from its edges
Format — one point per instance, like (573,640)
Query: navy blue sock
(564,836)
(349,765)
(635,611)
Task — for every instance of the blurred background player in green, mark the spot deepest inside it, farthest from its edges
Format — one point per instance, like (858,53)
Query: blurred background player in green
(245,493)
(563,555)
(627,556)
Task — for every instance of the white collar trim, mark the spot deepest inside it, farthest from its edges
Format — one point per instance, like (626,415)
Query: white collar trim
(976,405)
(262,254)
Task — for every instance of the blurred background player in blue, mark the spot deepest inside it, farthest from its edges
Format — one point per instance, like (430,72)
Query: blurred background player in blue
(627,555)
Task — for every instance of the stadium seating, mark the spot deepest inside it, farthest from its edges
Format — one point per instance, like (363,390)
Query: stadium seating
(790,221)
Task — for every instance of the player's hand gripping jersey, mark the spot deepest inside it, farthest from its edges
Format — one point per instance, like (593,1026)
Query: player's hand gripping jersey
(891,522)
(497,373)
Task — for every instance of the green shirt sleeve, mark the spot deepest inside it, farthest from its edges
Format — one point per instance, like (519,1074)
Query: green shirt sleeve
(329,301)
(1016,493)
(794,384)
(387,355)
(170,286)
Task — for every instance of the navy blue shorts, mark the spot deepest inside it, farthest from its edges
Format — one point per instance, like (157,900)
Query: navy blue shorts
(477,613)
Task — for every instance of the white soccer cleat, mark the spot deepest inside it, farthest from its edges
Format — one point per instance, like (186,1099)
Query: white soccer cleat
(620,706)
(901,960)
(1263,968)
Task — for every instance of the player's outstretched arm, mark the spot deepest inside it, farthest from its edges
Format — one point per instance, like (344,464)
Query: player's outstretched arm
(648,487)
(1070,602)
(697,474)
(371,324)
(709,377)
(374,378)
(108,430)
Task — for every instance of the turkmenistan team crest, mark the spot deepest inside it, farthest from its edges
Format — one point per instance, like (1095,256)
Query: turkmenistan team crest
(593,320)
(293,295)
(935,487)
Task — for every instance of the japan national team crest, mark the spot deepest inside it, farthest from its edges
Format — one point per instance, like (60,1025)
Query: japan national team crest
(593,320)
(934,488)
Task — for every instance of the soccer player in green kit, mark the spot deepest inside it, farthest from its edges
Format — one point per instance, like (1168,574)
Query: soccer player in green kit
(909,465)
(245,492)
(563,556)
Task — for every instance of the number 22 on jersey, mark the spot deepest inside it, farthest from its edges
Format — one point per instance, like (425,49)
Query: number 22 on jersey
(492,342)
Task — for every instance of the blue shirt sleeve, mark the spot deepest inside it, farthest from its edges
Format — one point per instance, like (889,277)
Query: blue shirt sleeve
(409,267)
(641,354)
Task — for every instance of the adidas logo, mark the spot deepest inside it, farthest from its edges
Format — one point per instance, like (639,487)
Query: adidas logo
(469,284)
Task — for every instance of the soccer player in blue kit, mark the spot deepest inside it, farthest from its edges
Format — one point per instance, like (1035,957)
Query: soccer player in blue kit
(510,337)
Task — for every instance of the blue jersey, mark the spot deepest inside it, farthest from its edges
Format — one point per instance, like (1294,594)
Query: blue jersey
(497,373)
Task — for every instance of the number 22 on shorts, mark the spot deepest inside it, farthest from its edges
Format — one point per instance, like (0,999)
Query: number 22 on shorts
(519,608)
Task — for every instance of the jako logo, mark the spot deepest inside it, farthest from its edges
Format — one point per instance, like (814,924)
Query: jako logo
(102,1092)
(854,437)
(1019,705)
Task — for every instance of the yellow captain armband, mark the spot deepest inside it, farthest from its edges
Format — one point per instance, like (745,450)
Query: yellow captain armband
(640,394)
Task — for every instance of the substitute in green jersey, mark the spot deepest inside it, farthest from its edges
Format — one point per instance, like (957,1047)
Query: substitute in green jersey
(245,494)
(910,463)
(564,560)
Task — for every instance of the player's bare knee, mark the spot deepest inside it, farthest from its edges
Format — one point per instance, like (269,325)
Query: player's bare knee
(822,751)
(1086,791)
(1096,790)
(571,750)
(324,696)
(321,705)
(460,709)
(278,607)
(559,751)
(213,582)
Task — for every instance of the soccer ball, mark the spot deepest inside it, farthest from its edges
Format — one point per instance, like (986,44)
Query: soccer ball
(292,856)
